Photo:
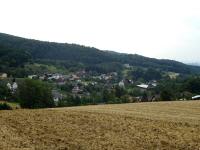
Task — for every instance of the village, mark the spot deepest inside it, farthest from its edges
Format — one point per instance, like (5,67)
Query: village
(97,88)
(86,84)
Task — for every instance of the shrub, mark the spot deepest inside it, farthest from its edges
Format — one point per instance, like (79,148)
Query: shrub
(5,106)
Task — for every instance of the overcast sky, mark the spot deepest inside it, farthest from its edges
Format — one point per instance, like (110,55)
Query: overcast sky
(155,28)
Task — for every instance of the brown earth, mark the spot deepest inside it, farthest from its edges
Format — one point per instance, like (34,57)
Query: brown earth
(161,125)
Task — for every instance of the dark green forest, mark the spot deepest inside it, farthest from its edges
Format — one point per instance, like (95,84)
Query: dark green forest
(15,52)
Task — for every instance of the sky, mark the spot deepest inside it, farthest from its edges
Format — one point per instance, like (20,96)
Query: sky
(167,29)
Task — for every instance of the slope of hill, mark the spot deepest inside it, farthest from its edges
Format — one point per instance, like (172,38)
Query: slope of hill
(162,125)
(69,55)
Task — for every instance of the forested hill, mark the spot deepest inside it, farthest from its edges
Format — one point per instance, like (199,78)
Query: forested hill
(16,51)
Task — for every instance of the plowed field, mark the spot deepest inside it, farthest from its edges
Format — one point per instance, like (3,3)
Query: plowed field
(161,125)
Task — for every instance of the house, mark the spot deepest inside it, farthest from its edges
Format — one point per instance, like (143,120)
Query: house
(78,81)
(152,84)
(9,86)
(76,90)
(93,83)
(85,83)
(128,81)
(3,75)
(57,76)
(143,87)
(74,77)
(173,75)
(197,97)
(61,82)
(81,73)
(32,76)
(114,73)
(102,76)
(56,96)
(66,77)
(47,76)
(52,77)
(155,97)
(121,84)
(42,77)
(107,77)
(12,87)
(137,98)
(127,66)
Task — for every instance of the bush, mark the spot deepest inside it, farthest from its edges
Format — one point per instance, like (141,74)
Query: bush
(5,106)
(4,91)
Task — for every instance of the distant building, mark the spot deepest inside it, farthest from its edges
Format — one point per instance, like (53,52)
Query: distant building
(74,77)
(32,76)
(56,76)
(143,86)
(152,84)
(197,97)
(9,86)
(56,96)
(121,84)
(42,77)
(3,75)
(127,66)
(61,82)
(128,81)
(76,90)
(81,73)
(114,73)
(12,87)
(173,75)
(15,86)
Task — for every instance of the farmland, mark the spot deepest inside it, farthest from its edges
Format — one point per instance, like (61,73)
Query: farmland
(160,125)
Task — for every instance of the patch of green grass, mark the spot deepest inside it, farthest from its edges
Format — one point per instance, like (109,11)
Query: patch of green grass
(41,68)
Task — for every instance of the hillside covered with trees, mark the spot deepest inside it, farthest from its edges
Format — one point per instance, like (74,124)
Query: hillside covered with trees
(15,52)
(62,74)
